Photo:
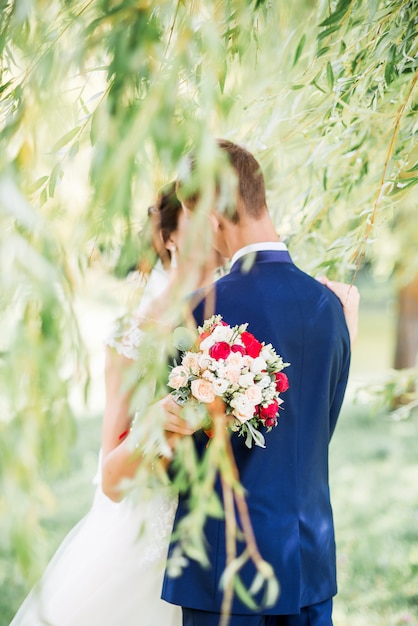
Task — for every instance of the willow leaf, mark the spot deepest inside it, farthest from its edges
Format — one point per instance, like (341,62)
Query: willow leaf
(243,594)
(38,184)
(330,76)
(299,49)
(340,10)
(65,139)
(326,33)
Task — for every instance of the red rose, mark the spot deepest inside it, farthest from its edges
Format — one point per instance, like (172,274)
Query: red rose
(269,412)
(270,421)
(237,348)
(252,345)
(220,350)
(282,382)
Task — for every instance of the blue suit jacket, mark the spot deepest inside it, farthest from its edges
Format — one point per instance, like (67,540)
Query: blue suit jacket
(287,482)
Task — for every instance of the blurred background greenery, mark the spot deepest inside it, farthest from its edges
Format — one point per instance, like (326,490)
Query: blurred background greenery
(374,476)
(99,102)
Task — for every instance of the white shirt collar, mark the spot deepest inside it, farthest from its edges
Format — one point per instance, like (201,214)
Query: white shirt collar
(258,247)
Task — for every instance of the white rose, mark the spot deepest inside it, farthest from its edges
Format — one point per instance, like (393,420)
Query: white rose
(245,380)
(235,359)
(258,365)
(207,375)
(206,362)
(222,333)
(191,362)
(178,377)
(220,385)
(207,343)
(269,394)
(243,409)
(202,390)
(254,395)
(267,353)
(264,382)
(231,373)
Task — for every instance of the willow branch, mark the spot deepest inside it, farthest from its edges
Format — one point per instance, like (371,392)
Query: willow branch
(244,515)
(231,548)
(359,255)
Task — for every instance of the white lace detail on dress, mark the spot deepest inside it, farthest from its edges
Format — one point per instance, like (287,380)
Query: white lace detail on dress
(160,524)
(126,337)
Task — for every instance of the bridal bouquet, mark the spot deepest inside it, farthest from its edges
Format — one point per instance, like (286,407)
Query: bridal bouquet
(231,363)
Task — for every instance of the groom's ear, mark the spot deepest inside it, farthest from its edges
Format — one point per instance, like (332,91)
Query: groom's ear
(215,221)
(218,221)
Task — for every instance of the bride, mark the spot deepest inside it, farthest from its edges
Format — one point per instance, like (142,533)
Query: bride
(105,572)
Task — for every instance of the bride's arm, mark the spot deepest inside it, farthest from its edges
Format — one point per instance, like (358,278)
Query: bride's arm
(350,299)
(118,460)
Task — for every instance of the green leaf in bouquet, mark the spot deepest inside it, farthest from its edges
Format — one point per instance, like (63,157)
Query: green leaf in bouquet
(195,414)
(183,338)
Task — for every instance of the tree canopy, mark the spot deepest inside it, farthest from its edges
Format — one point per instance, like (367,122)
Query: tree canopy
(101,100)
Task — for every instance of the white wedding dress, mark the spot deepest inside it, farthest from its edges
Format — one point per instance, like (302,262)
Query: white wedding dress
(103,574)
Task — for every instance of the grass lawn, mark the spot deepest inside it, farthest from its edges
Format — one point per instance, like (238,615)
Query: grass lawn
(374,483)
(73,492)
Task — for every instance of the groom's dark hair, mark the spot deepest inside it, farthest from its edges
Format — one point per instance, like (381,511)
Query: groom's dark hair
(251,198)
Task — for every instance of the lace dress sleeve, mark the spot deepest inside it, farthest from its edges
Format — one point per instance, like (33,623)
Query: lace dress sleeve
(126,337)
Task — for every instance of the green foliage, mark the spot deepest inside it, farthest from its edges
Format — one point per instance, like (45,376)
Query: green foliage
(99,103)
(374,500)
(373,484)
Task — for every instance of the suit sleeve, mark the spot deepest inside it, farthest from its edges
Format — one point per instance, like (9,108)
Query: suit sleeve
(341,384)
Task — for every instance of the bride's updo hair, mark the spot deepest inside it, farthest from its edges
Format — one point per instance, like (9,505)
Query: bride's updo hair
(168,209)
(164,216)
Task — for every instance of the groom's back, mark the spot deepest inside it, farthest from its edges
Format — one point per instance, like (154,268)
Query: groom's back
(287,482)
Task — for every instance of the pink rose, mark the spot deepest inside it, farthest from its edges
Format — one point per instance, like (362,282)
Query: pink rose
(254,395)
(282,382)
(252,345)
(191,362)
(232,373)
(202,390)
(242,408)
(234,359)
(220,350)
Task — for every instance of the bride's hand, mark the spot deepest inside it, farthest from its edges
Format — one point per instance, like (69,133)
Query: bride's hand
(349,297)
(176,427)
(175,423)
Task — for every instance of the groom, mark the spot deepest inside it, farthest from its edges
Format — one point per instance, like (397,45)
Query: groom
(286,484)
